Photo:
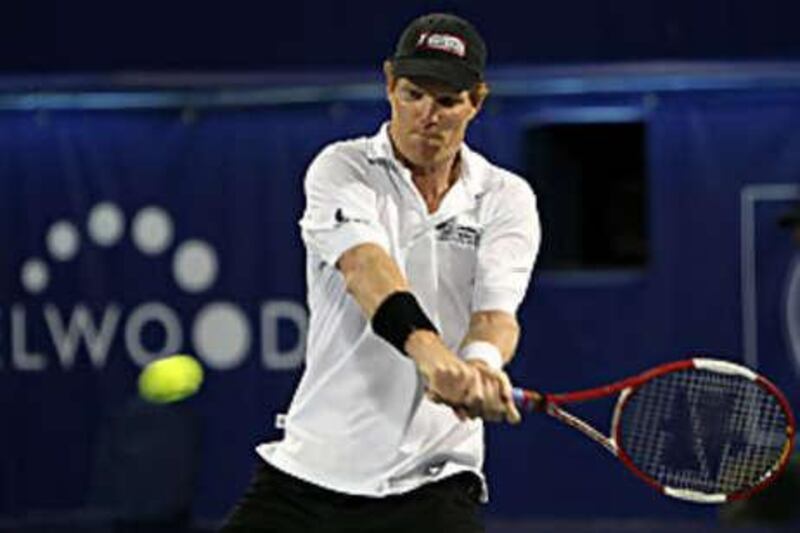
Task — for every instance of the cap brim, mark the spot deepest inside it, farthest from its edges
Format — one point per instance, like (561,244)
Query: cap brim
(451,73)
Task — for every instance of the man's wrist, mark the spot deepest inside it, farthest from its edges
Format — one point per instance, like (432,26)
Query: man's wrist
(425,349)
(398,318)
(483,351)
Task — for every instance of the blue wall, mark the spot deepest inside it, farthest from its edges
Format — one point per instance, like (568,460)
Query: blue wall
(232,178)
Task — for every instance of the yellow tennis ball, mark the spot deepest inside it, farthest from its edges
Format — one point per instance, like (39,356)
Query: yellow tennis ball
(170,379)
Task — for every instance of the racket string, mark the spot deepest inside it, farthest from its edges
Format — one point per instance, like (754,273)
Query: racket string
(703,431)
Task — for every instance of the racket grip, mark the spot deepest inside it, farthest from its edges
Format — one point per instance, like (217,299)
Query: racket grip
(526,400)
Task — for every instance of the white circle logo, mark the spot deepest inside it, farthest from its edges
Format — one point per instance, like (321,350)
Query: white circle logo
(63,241)
(152,230)
(221,335)
(221,331)
(195,266)
(106,224)
(35,275)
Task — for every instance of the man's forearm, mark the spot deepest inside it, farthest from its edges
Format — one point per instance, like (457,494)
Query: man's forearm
(497,328)
(371,275)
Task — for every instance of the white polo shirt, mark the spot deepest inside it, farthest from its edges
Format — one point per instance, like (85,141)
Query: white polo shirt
(359,422)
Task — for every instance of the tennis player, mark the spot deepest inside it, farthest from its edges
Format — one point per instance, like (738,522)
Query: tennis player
(419,252)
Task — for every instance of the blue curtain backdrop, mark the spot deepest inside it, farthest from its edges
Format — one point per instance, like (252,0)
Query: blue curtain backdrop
(93,36)
(75,326)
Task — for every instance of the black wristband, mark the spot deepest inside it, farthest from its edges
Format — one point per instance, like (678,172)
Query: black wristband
(398,316)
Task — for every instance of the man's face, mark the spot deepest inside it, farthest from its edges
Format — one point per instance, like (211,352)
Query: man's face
(429,119)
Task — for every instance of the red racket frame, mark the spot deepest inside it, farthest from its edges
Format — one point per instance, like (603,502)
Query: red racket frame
(550,404)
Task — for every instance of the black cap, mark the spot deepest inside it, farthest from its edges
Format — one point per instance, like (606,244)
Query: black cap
(441,46)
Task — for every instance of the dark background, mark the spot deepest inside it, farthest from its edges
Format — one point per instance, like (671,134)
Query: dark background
(50,36)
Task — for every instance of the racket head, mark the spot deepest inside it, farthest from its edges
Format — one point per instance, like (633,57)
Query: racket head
(704,430)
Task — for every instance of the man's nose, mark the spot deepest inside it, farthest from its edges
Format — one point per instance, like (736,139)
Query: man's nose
(430,109)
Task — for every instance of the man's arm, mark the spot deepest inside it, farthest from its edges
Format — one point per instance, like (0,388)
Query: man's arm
(498,328)
(371,276)
(506,254)
(490,343)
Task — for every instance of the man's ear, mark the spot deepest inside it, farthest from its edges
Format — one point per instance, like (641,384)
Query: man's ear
(478,95)
(388,73)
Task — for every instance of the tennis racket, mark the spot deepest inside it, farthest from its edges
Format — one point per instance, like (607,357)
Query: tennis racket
(702,430)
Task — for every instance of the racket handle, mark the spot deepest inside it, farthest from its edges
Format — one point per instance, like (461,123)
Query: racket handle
(526,400)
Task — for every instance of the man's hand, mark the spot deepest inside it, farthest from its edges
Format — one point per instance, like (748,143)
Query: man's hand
(498,402)
(471,389)
(500,330)
(449,380)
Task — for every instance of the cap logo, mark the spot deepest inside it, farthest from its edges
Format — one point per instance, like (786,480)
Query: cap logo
(443,42)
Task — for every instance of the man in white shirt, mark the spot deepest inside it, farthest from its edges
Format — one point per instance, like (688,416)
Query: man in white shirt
(419,252)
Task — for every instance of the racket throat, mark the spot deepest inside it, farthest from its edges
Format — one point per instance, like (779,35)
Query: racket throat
(573,421)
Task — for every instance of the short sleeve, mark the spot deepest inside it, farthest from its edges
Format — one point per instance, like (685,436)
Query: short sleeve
(341,209)
(507,249)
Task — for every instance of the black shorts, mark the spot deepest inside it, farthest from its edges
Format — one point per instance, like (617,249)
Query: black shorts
(277,502)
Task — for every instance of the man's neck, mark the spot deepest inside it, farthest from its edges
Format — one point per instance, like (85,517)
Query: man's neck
(432,181)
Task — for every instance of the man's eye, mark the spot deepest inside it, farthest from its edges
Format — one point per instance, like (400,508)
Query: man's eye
(413,94)
(448,101)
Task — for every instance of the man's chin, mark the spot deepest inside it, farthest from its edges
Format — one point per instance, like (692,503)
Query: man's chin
(426,158)
(429,152)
